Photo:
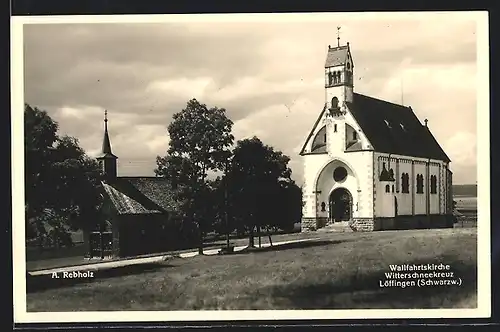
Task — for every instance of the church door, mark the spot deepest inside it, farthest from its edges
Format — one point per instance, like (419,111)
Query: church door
(340,205)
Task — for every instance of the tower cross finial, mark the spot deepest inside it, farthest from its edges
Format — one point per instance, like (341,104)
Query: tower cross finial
(338,36)
(106,121)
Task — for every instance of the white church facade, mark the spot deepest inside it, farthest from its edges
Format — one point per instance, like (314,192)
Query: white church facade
(370,164)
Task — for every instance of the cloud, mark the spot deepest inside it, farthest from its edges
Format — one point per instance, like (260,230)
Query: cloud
(461,148)
(268,75)
(282,126)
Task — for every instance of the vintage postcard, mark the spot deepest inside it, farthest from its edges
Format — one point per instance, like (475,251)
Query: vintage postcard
(250,167)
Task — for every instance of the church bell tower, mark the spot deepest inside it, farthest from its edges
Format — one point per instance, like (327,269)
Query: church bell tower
(339,73)
(339,69)
(107,160)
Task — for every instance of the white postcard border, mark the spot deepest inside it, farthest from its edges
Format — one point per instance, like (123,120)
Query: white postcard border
(18,225)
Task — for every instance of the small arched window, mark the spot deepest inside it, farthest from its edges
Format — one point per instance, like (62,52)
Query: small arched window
(335,102)
(392,188)
(330,78)
(323,207)
(405,186)
(387,189)
(433,184)
(335,128)
(420,184)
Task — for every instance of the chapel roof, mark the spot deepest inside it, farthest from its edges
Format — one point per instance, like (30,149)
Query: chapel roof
(106,143)
(140,195)
(393,128)
(336,56)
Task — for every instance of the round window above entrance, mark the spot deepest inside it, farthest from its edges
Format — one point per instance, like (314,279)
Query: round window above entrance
(339,174)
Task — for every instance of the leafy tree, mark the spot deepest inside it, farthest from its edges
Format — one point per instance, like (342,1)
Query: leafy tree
(40,134)
(200,138)
(78,178)
(61,181)
(218,205)
(288,206)
(258,178)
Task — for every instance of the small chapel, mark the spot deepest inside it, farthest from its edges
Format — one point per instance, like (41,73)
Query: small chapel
(139,212)
(370,164)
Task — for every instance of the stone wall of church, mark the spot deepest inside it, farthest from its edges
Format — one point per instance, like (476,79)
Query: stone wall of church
(312,165)
(419,168)
(434,197)
(405,199)
(363,164)
(342,92)
(319,184)
(443,189)
(412,201)
(326,184)
(448,193)
(402,222)
(413,222)
(385,206)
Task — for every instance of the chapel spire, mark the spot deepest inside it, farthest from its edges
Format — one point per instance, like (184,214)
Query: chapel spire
(106,144)
(107,160)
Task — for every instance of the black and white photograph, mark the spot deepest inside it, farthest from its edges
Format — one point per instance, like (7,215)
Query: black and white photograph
(250,166)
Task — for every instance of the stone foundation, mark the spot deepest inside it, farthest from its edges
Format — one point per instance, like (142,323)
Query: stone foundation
(413,222)
(321,221)
(313,224)
(308,224)
(362,224)
(385,224)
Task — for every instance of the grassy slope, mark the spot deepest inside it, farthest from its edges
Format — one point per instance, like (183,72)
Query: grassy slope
(75,256)
(341,271)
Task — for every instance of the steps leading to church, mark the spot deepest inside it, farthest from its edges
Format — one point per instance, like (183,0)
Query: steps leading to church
(339,227)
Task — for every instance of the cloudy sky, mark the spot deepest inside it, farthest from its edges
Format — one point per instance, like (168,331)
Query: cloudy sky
(267,73)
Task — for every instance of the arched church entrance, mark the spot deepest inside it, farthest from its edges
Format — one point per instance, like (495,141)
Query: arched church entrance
(340,204)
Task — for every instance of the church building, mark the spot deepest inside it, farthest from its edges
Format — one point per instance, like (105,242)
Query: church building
(370,164)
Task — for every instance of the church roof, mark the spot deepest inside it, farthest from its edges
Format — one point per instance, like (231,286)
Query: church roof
(393,128)
(336,56)
(140,195)
(106,144)
(302,151)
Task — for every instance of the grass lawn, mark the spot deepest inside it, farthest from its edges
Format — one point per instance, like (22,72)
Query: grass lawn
(342,270)
(75,256)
